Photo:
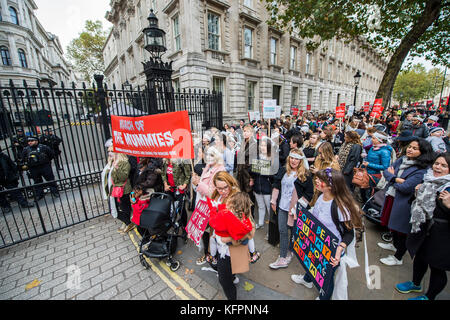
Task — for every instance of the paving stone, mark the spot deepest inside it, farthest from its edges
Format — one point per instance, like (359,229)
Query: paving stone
(155,289)
(126,295)
(76,258)
(53,283)
(167,294)
(140,296)
(90,293)
(99,262)
(105,252)
(138,288)
(101,277)
(123,266)
(112,281)
(206,290)
(127,283)
(109,265)
(14,277)
(107,295)
(40,266)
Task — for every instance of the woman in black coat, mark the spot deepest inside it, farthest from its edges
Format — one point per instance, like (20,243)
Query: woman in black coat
(430,235)
(349,156)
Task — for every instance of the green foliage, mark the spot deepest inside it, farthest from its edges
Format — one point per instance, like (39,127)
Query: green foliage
(415,84)
(85,52)
(382,24)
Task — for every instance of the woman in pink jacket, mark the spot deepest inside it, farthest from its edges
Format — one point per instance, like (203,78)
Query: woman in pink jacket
(204,186)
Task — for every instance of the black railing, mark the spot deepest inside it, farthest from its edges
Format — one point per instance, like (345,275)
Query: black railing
(81,118)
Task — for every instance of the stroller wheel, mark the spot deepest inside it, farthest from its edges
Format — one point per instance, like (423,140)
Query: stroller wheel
(386,236)
(144,263)
(175,266)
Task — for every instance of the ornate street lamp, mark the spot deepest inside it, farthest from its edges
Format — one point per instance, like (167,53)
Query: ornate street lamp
(158,73)
(357,80)
(155,38)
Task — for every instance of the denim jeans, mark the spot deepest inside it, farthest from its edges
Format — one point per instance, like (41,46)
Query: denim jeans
(283,228)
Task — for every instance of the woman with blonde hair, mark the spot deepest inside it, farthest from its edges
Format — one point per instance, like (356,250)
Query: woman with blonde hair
(325,159)
(310,147)
(204,186)
(283,189)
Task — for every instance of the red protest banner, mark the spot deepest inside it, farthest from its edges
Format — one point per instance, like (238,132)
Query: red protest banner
(377,108)
(340,111)
(294,111)
(366,106)
(198,222)
(308,108)
(166,135)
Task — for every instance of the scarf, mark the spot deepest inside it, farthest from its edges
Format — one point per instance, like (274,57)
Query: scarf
(379,146)
(343,153)
(405,165)
(423,206)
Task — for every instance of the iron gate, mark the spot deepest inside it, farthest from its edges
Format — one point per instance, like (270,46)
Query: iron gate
(81,118)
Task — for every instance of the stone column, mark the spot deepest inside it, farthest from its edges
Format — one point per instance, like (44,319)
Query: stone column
(5,11)
(13,50)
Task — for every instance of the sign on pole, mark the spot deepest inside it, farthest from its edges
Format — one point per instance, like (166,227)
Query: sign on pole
(377,108)
(340,111)
(351,111)
(269,109)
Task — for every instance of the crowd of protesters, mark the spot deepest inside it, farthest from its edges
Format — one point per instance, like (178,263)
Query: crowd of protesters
(261,170)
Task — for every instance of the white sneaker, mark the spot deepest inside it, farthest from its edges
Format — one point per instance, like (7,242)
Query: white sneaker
(236,280)
(280,263)
(289,257)
(391,261)
(259,226)
(387,246)
(299,280)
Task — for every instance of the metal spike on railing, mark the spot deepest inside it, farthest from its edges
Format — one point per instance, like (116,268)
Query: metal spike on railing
(84,85)
(74,85)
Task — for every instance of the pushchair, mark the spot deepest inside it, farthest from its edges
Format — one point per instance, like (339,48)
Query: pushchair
(161,225)
(372,210)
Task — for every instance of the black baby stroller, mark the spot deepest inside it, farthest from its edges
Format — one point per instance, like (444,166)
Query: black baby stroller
(372,210)
(161,224)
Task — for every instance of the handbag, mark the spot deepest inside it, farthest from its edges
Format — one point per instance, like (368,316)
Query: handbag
(117,192)
(361,178)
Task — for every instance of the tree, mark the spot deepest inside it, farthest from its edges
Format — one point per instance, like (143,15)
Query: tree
(86,51)
(396,28)
(411,85)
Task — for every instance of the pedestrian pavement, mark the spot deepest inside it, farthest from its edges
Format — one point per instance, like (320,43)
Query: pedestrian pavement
(93,261)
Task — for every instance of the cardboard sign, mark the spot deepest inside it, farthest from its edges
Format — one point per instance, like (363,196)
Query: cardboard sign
(254,115)
(351,111)
(240,258)
(366,106)
(261,166)
(269,109)
(198,222)
(314,245)
(340,111)
(166,135)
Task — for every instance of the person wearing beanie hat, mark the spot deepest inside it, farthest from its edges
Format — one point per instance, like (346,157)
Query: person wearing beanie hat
(436,140)
(432,122)
(419,129)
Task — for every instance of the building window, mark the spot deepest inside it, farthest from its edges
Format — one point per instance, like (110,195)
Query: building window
(293,57)
(273,51)
(308,63)
(176,33)
(309,97)
(276,93)
(294,96)
(248,3)
(14,16)
(320,68)
(213,31)
(251,95)
(248,43)
(330,67)
(6,58)
(22,58)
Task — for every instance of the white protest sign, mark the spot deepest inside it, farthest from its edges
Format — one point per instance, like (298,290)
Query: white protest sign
(351,111)
(269,109)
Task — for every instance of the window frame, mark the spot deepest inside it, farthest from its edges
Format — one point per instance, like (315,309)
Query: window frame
(216,36)
(14,15)
(293,58)
(5,55)
(273,55)
(176,36)
(22,58)
(251,98)
(248,45)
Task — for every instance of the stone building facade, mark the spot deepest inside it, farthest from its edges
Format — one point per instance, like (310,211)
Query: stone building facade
(28,51)
(226,45)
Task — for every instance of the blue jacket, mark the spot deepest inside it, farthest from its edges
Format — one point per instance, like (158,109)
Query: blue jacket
(401,209)
(379,160)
